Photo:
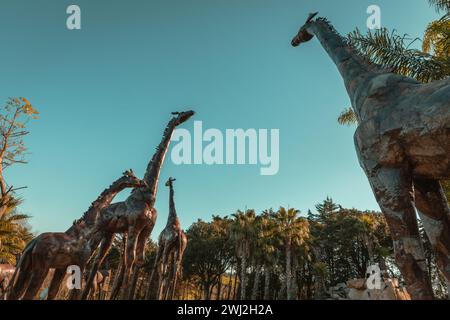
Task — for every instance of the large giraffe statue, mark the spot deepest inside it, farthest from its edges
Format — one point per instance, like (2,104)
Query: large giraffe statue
(60,250)
(403,145)
(171,245)
(136,216)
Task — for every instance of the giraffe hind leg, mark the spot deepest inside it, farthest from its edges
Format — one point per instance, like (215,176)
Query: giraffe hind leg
(55,284)
(393,189)
(36,280)
(434,211)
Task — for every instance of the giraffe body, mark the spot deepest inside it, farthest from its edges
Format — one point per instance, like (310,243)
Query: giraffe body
(59,250)
(136,216)
(171,246)
(403,145)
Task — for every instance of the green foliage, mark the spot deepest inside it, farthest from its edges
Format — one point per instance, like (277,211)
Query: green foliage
(14,234)
(13,119)
(347,117)
(332,245)
(393,52)
(440,5)
(209,253)
(437,38)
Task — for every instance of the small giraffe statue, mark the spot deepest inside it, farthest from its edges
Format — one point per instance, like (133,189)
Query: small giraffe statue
(136,216)
(403,145)
(60,250)
(171,245)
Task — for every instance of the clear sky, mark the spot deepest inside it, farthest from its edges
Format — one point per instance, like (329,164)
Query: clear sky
(106,92)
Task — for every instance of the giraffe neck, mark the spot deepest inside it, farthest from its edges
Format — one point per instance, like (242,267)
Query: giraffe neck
(354,69)
(173,218)
(151,177)
(103,200)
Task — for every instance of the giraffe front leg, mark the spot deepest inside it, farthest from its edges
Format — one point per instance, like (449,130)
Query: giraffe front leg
(118,277)
(434,212)
(140,247)
(130,253)
(154,276)
(394,192)
(104,249)
(140,257)
(55,284)
(37,278)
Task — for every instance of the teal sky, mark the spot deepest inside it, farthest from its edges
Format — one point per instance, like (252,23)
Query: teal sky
(106,92)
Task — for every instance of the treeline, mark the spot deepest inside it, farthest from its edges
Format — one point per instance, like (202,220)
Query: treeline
(283,255)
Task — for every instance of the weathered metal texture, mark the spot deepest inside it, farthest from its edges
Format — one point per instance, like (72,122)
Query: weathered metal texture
(136,216)
(403,145)
(60,250)
(171,245)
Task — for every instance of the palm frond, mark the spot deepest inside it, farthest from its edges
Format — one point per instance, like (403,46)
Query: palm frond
(437,38)
(347,117)
(392,51)
(440,5)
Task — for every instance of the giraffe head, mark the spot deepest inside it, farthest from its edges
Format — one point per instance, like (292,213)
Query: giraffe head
(303,35)
(129,180)
(169,182)
(181,117)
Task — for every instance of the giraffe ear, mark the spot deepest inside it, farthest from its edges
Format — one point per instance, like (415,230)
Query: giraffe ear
(311,16)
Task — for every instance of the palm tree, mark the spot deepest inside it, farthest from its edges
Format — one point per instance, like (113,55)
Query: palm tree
(14,235)
(243,234)
(267,247)
(292,231)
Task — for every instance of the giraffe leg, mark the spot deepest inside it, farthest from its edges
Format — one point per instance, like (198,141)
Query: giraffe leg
(166,263)
(118,279)
(55,284)
(100,290)
(140,246)
(133,234)
(151,283)
(176,271)
(104,249)
(94,290)
(20,286)
(434,212)
(394,192)
(140,257)
(37,278)
(75,294)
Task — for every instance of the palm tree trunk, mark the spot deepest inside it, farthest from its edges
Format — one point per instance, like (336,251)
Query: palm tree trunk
(230,284)
(294,278)
(288,271)
(235,284)
(256,282)
(369,246)
(219,288)
(266,282)
(205,292)
(243,282)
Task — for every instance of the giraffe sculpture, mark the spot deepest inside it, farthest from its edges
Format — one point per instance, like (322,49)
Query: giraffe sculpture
(60,250)
(136,216)
(403,145)
(171,245)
